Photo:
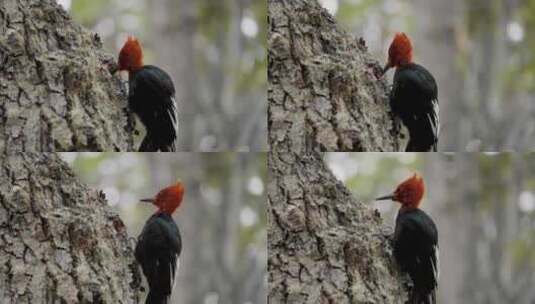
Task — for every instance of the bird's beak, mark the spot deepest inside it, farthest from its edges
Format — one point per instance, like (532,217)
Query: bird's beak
(147,200)
(387,67)
(385,197)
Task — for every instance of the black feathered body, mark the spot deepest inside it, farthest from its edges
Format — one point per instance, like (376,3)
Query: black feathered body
(152,97)
(414,99)
(158,251)
(416,252)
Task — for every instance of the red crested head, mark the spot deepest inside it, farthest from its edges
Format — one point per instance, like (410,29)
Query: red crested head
(400,51)
(409,193)
(168,199)
(131,55)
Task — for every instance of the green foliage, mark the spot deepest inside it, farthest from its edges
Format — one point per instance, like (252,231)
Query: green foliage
(525,69)
(523,250)
(482,15)
(213,18)
(350,11)
(85,164)
(492,172)
(214,22)
(255,77)
(88,11)
(123,171)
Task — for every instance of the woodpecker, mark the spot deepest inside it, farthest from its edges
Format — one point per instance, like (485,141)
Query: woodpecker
(159,245)
(151,96)
(416,241)
(414,96)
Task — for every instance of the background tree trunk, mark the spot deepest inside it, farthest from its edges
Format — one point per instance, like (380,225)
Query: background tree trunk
(323,245)
(56,91)
(323,90)
(175,24)
(439,24)
(60,242)
(220,114)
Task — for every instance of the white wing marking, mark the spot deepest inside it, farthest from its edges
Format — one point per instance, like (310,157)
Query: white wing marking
(176,271)
(174,274)
(435,262)
(173,113)
(436,112)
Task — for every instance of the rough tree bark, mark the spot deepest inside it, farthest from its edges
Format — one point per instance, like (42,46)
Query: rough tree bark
(56,92)
(324,246)
(323,90)
(59,241)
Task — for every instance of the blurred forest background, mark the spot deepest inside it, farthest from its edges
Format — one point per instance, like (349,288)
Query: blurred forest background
(215,52)
(480,52)
(484,208)
(222,219)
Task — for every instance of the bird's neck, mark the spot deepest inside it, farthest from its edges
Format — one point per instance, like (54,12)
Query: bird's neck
(408,207)
(403,63)
(133,70)
(169,210)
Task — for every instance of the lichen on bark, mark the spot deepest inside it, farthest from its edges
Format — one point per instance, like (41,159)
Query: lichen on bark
(324,245)
(324,88)
(59,240)
(56,91)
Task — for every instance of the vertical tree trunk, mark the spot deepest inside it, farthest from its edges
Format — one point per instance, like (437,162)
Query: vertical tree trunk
(324,91)
(324,246)
(59,241)
(451,206)
(56,91)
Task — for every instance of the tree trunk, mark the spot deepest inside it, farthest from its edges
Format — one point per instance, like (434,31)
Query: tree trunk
(56,90)
(324,91)
(324,246)
(60,242)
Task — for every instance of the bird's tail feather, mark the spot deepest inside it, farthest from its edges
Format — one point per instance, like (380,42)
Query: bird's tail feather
(423,298)
(156,298)
(430,298)
(413,146)
(150,145)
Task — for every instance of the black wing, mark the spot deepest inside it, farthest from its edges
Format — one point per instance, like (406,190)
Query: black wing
(416,249)
(158,251)
(414,99)
(152,98)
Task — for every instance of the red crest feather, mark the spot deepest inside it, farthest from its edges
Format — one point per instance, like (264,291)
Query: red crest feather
(131,55)
(400,51)
(170,198)
(410,192)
